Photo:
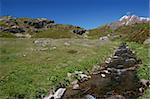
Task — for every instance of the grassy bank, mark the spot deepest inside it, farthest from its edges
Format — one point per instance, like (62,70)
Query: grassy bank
(143,52)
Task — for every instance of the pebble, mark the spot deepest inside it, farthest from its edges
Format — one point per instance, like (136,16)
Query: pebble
(106,71)
(74,82)
(58,94)
(67,44)
(89,97)
(75,86)
(103,75)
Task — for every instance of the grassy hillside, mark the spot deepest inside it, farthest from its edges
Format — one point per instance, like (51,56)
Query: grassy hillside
(60,31)
(28,69)
(100,31)
(136,32)
(55,33)
(142,52)
(35,28)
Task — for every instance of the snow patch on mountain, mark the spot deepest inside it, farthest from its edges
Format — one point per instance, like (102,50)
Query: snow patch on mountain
(131,19)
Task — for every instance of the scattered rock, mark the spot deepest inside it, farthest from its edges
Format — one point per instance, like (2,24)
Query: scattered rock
(129,62)
(74,82)
(141,90)
(75,86)
(21,35)
(49,97)
(79,75)
(39,23)
(14,30)
(107,61)
(145,83)
(104,38)
(83,77)
(67,44)
(147,41)
(78,72)
(120,66)
(80,32)
(58,94)
(116,97)
(103,75)
(43,49)
(54,47)
(106,71)
(69,75)
(89,97)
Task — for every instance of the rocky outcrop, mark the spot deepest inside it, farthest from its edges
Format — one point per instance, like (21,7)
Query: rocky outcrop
(80,32)
(14,30)
(39,23)
(32,27)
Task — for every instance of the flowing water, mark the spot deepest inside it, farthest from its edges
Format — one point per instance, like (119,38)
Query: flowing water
(116,80)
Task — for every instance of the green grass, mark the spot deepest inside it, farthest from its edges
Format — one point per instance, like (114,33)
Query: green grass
(24,70)
(99,32)
(2,23)
(54,33)
(143,52)
(39,70)
(134,33)
(6,35)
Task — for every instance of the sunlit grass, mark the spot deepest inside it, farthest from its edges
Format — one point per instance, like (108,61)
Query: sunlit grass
(37,71)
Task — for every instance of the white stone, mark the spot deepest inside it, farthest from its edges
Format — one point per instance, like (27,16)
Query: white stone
(67,44)
(89,97)
(74,82)
(69,75)
(103,75)
(104,38)
(147,41)
(108,60)
(76,86)
(106,71)
(48,97)
(78,72)
(58,94)
(54,47)
(83,76)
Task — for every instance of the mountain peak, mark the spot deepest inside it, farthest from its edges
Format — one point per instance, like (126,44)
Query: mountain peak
(131,19)
(128,20)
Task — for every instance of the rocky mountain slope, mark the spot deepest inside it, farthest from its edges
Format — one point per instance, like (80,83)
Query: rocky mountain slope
(28,27)
(128,20)
(132,28)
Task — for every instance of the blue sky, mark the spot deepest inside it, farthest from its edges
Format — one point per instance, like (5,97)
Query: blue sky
(85,13)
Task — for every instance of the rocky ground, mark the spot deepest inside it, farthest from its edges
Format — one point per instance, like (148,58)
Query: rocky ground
(28,27)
